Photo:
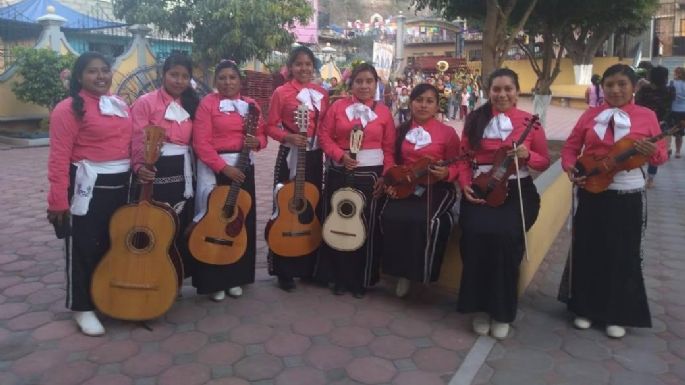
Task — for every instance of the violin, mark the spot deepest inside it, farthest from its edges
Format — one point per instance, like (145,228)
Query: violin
(493,186)
(404,179)
(599,170)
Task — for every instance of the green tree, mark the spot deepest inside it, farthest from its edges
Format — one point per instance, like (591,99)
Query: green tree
(587,31)
(236,29)
(502,20)
(40,71)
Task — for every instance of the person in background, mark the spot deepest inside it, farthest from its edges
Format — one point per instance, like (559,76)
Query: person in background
(678,108)
(594,95)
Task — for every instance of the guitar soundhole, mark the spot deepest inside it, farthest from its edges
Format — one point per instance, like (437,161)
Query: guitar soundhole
(346,209)
(139,240)
(297,205)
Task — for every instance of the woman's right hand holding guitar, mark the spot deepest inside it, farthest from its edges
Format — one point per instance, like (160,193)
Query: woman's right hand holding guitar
(233,173)
(296,140)
(348,162)
(577,180)
(470,196)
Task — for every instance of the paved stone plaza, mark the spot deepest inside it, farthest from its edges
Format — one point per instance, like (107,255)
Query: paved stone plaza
(312,337)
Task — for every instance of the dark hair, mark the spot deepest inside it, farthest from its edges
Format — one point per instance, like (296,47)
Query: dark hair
(658,76)
(621,69)
(295,53)
(645,65)
(404,127)
(362,67)
(75,83)
(478,119)
(596,80)
(189,98)
(227,63)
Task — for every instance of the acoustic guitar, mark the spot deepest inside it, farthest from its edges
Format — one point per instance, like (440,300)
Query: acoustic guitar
(344,228)
(493,186)
(623,156)
(137,280)
(294,229)
(220,237)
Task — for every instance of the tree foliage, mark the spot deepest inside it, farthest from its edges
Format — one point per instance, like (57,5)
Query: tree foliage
(236,29)
(502,20)
(40,70)
(588,30)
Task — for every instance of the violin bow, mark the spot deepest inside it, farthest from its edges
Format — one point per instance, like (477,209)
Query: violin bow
(523,217)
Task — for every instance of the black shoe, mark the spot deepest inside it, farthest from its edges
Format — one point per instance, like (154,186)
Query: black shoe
(359,294)
(286,283)
(338,289)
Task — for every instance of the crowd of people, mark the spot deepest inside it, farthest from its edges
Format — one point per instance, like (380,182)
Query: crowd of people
(96,157)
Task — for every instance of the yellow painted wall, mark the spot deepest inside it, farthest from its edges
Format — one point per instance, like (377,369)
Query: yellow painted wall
(554,209)
(10,106)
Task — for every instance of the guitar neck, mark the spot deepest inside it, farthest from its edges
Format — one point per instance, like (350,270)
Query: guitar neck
(146,191)
(243,159)
(299,175)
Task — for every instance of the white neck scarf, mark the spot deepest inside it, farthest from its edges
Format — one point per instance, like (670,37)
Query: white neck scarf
(419,137)
(110,105)
(621,123)
(175,112)
(499,127)
(362,112)
(234,105)
(311,98)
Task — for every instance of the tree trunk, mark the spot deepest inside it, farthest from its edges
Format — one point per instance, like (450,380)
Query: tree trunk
(540,105)
(489,48)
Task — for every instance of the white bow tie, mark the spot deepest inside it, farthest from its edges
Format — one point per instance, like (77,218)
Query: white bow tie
(230,105)
(499,127)
(112,106)
(361,112)
(176,112)
(311,98)
(621,123)
(419,137)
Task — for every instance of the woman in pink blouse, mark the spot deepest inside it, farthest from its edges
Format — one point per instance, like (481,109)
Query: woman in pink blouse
(88,171)
(606,285)
(171,107)
(218,139)
(281,127)
(356,270)
(492,242)
(415,230)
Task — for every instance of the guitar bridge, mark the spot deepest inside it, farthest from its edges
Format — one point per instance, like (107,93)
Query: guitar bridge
(219,241)
(132,285)
(296,233)
(343,233)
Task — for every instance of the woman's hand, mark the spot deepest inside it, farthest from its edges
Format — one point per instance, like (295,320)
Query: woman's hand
(251,142)
(521,152)
(390,191)
(379,188)
(348,162)
(146,175)
(233,173)
(577,180)
(296,140)
(58,218)
(645,147)
(439,172)
(470,196)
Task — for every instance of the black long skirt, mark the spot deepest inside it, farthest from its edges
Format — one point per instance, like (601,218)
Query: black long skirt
(606,282)
(209,278)
(492,247)
(168,187)
(354,270)
(415,233)
(89,238)
(302,266)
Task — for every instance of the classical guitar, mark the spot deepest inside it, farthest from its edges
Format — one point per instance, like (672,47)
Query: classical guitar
(220,237)
(405,179)
(344,228)
(623,156)
(136,279)
(294,230)
(493,186)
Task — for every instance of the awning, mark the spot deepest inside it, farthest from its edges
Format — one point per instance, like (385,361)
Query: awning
(27,11)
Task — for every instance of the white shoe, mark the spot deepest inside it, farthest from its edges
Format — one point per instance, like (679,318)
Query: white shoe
(219,296)
(615,331)
(235,291)
(481,324)
(582,323)
(89,323)
(499,330)
(402,288)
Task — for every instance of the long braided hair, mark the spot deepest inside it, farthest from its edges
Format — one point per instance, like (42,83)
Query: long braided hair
(75,81)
